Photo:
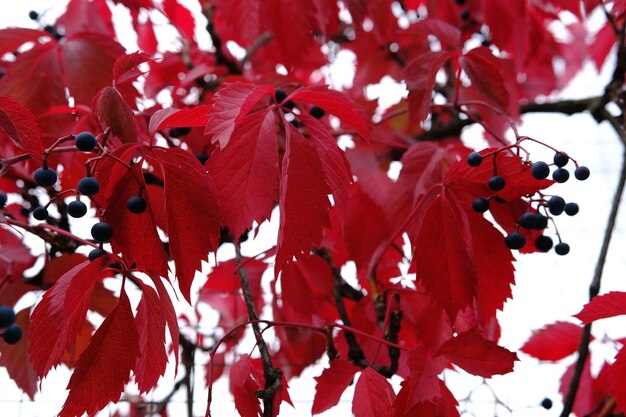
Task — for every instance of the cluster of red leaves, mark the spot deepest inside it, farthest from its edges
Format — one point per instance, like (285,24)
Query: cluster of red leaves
(262,154)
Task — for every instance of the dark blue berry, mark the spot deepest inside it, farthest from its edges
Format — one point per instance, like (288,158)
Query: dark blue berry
(581,173)
(543,243)
(486,43)
(280,95)
(3,199)
(480,205)
(33,15)
(76,209)
(562,248)
(515,240)
(85,141)
(45,177)
(546,403)
(540,170)
(474,159)
(7,316)
(560,159)
(496,183)
(561,175)
(202,157)
(542,222)
(88,186)
(180,131)
(101,232)
(465,14)
(460,2)
(136,204)
(571,209)
(40,213)
(12,334)
(528,220)
(316,112)
(556,205)
(96,253)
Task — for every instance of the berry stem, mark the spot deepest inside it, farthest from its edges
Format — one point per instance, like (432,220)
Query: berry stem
(37,230)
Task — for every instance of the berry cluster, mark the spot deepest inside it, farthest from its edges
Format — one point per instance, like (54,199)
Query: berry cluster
(12,333)
(532,219)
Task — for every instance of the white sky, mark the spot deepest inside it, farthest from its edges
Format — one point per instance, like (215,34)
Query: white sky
(549,287)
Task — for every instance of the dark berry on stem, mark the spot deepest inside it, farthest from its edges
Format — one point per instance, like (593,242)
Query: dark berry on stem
(486,43)
(560,159)
(280,95)
(96,253)
(77,209)
(542,222)
(465,14)
(136,204)
(543,243)
(480,205)
(556,205)
(561,175)
(12,334)
(316,112)
(85,141)
(33,15)
(180,131)
(515,240)
(3,199)
(528,220)
(40,213)
(474,159)
(546,403)
(571,209)
(88,186)
(460,2)
(45,177)
(581,173)
(7,316)
(496,183)
(202,157)
(562,248)
(101,232)
(540,170)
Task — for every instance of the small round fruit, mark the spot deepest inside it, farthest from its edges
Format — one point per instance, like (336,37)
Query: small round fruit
(560,159)
(12,334)
(465,14)
(561,175)
(85,141)
(544,243)
(460,2)
(562,248)
(3,199)
(88,186)
(542,222)
(486,43)
(496,183)
(33,15)
(480,205)
(202,157)
(7,316)
(582,173)
(280,95)
(136,204)
(316,112)
(571,209)
(101,232)
(528,220)
(180,131)
(556,205)
(77,209)
(540,170)
(515,240)
(96,253)
(546,403)
(40,213)
(474,159)
(45,177)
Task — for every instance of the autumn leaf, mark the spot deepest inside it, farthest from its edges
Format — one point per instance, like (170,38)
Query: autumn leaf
(20,125)
(244,388)
(603,306)
(481,66)
(373,395)
(420,76)
(331,384)
(14,358)
(554,341)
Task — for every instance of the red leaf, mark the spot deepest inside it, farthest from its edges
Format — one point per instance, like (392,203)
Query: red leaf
(444,405)
(420,76)
(190,206)
(331,384)
(482,68)
(180,17)
(13,38)
(20,125)
(87,16)
(230,105)
(125,67)
(113,110)
(603,306)
(554,342)
(59,317)
(170,315)
(188,117)
(448,35)
(477,355)
(244,387)
(423,381)
(104,367)
(584,403)
(150,322)
(303,210)
(14,358)
(337,104)
(246,172)
(373,395)
(616,378)
(447,273)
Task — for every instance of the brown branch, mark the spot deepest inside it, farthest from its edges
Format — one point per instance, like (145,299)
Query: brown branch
(272,374)
(220,57)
